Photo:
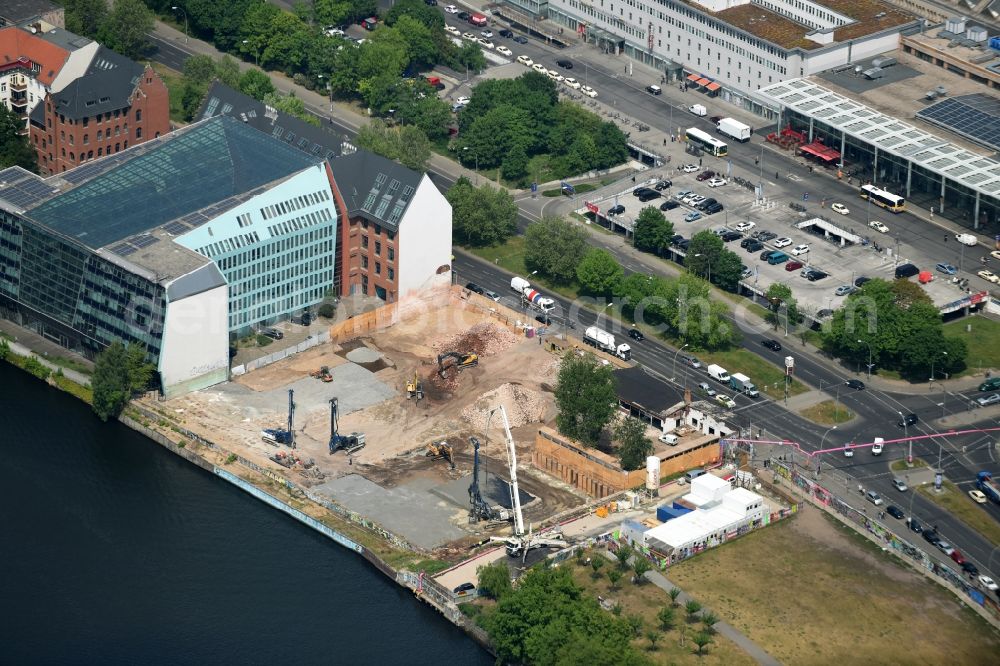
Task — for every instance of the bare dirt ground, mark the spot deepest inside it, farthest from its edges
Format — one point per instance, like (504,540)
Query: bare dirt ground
(810,591)
(513,370)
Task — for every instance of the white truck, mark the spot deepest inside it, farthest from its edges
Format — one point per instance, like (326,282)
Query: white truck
(605,341)
(698,110)
(742,383)
(734,129)
(718,373)
(533,297)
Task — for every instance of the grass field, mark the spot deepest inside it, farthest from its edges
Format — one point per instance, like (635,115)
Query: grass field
(983,341)
(510,257)
(958,503)
(828,413)
(646,600)
(901,466)
(810,591)
(768,377)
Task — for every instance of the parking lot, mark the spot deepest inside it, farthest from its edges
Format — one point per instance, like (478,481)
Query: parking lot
(817,240)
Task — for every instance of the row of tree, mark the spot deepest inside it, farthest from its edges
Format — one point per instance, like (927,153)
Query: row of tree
(15,150)
(119,373)
(510,121)
(120,25)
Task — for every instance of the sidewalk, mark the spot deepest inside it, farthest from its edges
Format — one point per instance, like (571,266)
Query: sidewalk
(28,343)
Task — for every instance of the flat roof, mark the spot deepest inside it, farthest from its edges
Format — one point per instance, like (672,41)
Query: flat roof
(694,525)
(889,134)
(639,388)
(186,171)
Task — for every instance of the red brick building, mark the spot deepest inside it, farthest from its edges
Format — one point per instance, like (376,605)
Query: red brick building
(115,104)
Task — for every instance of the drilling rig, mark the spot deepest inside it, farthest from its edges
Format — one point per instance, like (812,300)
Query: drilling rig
(347,443)
(278,436)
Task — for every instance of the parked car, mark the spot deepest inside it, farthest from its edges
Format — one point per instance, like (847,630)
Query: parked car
(654,90)
(873,497)
(802,248)
(991,399)
(856,384)
(730,236)
(662,185)
(692,216)
(669,204)
(764,236)
(708,390)
(464,587)
(773,345)
(947,269)
(931,537)
(689,168)
(894,511)
(525,60)
(970,568)
(956,555)
(977,496)
(745,226)
(945,547)
(472,286)
(860,281)
(793,266)
(988,583)
(492,295)
(844,290)
(713,208)
(716,182)
(705,175)
(782,242)
(503,50)
(273,333)
(616,210)
(815,275)
(636,334)
(839,208)
(915,525)
(588,91)
(753,245)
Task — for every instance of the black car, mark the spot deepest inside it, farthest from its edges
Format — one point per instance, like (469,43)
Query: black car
(730,236)
(273,333)
(702,205)
(816,275)
(970,568)
(432,3)
(766,254)
(684,244)
(616,210)
(894,511)
(654,90)
(669,204)
(675,239)
(856,384)
(464,587)
(472,286)
(520,39)
(565,64)
(907,420)
(649,195)
(861,281)
(754,245)
(544,320)
(713,208)
(637,192)
(746,241)
(463,16)
(904,271)
(636,334)
(662,185)
(509,34)
(764,236)
(915,525)
(773,345)
(931,537)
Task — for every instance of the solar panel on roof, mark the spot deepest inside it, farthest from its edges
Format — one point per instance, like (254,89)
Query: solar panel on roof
(976,117)
(123,249)
(143,241)
(176,228)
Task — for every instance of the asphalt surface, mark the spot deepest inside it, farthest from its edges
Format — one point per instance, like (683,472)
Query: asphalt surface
(877,411)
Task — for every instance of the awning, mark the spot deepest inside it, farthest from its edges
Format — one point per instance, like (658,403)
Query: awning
(713,86)
(693,77)
(703,82)
(820,151)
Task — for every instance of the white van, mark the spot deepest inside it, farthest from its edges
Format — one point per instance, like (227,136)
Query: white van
(669,438)
(698,110)
(693,474)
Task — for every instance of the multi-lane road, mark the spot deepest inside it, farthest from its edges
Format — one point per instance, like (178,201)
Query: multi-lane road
(876,411)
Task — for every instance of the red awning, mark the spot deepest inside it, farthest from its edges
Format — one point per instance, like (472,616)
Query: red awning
(713,86)
(820,151)
(703,82)
(693,77)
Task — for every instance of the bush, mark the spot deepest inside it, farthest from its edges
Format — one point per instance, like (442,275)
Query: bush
(263,340)
(327,311)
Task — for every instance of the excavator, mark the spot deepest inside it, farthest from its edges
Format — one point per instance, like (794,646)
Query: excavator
(456,360)
(441,450)
(322,374)
(415,388)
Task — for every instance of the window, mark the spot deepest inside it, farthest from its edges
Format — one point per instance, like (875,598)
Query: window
(364,241)
(364,261)
(138,132)
(86,139)
(86,121)
(378,268)
(378,248)
(392,253)
(138,115)
(364,285)
(391,273)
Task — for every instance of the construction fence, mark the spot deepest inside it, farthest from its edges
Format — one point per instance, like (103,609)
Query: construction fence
(263,361)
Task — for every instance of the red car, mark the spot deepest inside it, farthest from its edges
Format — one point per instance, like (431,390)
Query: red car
(705,175)
(957,556)
(793,266)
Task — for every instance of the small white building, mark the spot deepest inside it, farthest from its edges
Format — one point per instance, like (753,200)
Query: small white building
(722,514)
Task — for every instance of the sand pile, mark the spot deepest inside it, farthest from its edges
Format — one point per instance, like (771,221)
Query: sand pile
(484,339)
(523,406)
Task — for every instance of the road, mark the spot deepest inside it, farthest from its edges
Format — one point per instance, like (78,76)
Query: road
(962,457)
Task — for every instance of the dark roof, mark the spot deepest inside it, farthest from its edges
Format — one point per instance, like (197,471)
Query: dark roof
(637,387)
(107,85)
(221,100)
(372,186)
(161,180)
(18,11)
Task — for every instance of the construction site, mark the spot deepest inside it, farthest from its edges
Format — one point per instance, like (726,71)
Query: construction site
(391,422)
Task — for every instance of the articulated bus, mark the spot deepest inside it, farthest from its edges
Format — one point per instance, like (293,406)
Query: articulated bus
(886,200)
(707,143)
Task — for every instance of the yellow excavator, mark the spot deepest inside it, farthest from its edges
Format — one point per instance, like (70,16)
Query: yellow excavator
(441,450)
(456,360)
(415,388)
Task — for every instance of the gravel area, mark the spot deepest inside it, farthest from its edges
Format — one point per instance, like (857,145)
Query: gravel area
(484,339)
(523,406)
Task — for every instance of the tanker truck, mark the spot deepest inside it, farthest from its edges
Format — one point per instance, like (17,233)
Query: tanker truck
(533,297)
(604,341)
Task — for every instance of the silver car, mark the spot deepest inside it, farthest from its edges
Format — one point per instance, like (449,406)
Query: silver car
(709,391)
(991,399)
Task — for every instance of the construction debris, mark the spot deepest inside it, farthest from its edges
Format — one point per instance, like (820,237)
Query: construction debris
(523,406)
(483,339)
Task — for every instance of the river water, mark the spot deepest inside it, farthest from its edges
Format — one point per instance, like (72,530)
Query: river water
(116,551)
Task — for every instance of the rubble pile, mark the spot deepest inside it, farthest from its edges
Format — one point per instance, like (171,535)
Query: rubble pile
(523,406)
(484,339)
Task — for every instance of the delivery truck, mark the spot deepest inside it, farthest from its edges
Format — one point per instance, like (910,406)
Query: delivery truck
(734,129)
(718,373)
(601,339)
(742,383)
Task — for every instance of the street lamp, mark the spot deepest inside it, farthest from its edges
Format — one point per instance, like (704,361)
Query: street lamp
(823,439)
(475,155)
(181,9)
(673,370)
(906,435)
(869,358)
(929,381)
(709,265)
(247,42)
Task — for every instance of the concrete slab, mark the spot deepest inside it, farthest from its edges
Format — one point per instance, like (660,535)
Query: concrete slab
(494,489)
(409,511)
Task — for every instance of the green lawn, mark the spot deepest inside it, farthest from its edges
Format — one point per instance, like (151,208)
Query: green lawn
(957,502)
(175,89)
(828,413)
(768,377)
(510,257)
(983,341)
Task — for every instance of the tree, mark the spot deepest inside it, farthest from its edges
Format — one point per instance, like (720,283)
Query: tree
(652,636)
(481,215)
(199,70)
(415,10)
(596,564)
(694,317)
(555,247)
(624,553)
(494,580)
(653,231)
(14,147)
(4,349)
(614,575)
(140,373)
(703,253)
(599,273)
(640,565)
(666,618)
(127,27)
(692,607)
(414,148)
(111,381)
(701,640)
(256,84)
(782,306)
(727,270)
(586,398)
(85,17)
(633,444)
(674,593)
(515,164)
(709,620)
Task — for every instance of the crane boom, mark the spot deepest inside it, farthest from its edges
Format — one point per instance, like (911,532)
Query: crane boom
(515,495)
